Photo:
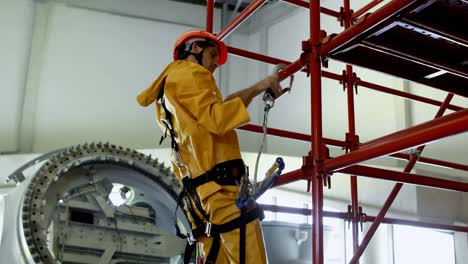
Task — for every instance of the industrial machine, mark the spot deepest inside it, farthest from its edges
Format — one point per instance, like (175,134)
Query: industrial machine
(100,203)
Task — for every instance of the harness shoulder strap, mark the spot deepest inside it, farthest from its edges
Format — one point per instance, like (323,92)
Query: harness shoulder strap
(168,119)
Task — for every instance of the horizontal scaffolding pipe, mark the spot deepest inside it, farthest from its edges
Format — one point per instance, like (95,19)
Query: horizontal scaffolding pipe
(395,221)
(290,69)
(256,56)
(400,134)
(369,22)
(289,177)
(244,15)
(292,135)
(435,162)
(306,5)
(366,8)
(407,56)
(367,218)
(406,95)
(342,144)
(427,132)
(404,177)
(301,211)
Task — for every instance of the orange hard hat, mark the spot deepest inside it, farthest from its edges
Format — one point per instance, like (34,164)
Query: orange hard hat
(202,36)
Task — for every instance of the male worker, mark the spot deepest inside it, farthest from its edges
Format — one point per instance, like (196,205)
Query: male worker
(206,154)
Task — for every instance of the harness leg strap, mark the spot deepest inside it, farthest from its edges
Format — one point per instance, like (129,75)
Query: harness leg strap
(242,230)
(188,252)
(214,250)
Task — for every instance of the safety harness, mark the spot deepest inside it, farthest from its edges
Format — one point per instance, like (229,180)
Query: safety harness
(227,173)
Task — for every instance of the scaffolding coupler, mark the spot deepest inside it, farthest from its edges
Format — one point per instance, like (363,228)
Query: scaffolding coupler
(351,142)
(343,16)
(354,80)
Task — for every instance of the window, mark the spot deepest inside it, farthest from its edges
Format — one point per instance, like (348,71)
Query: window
(422,245)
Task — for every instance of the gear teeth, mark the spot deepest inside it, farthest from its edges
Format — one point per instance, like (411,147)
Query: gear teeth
(30,242)
(78,156)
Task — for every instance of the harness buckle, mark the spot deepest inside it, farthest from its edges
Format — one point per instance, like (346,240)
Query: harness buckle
(191,240)
(208,229)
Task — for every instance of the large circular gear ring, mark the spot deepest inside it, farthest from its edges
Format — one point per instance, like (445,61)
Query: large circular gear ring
(83,164)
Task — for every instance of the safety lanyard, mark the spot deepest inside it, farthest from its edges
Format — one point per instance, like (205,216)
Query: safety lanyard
(269,102)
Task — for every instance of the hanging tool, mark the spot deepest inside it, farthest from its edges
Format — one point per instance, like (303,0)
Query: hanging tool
(270,178)
(248,195)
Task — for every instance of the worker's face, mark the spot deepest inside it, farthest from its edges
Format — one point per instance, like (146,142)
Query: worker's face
(210,58)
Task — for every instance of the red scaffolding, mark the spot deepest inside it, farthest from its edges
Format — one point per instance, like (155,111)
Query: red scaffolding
(317,167)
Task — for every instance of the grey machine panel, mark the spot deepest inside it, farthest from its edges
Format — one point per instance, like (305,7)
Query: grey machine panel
(61,212)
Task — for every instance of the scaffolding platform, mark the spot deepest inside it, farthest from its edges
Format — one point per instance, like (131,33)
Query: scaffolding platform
(425,42)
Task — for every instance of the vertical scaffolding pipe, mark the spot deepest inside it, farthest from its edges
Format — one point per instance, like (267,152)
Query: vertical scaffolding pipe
(391,198)
(209,15)
(354,182)
(352,135)
(317,141)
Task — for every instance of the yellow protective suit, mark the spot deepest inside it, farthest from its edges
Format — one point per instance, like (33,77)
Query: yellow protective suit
(204,125)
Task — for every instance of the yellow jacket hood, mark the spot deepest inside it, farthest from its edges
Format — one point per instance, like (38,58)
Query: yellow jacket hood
(150,95)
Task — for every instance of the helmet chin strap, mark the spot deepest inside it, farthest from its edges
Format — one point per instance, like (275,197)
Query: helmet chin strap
(199,56)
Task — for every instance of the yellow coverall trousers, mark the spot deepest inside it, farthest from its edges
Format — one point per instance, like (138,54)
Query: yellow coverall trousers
(221,208)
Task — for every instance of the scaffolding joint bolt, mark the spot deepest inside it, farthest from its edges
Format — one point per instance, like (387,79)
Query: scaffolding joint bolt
(342,16)
(349,215)
(345,16)
(351,142)
(356,81)
(327,180)
(362,218)
(306,47)
(415,152)
(344,79)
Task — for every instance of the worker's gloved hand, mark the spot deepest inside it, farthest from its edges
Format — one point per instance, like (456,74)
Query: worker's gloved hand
(270,83)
